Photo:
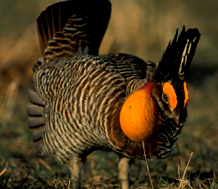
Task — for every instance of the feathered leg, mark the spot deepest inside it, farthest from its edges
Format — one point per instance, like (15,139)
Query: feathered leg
(75,167)
(124,169)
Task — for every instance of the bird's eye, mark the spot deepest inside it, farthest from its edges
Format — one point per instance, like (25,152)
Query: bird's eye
(165,97)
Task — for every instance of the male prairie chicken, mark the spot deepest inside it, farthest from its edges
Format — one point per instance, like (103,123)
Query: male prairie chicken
(82,101)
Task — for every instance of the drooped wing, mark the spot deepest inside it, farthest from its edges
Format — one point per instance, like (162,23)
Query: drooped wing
(135,71)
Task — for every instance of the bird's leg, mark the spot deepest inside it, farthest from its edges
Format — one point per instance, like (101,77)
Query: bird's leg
(75,167)
(124,168)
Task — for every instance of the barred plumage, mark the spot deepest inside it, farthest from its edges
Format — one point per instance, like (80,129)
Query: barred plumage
(78,97)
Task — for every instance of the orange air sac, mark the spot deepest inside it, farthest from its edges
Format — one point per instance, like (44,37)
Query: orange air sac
(137,116)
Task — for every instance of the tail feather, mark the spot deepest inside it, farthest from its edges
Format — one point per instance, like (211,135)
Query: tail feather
(73,27)
(35,112)
(34,98)
(36,123)
(177,58)
(37,135)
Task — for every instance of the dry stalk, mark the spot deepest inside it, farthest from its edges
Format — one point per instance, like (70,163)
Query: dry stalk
(25,173)
(44,163)
(96,185)
(3,171)
(143,145)
(68,187)
(181,180)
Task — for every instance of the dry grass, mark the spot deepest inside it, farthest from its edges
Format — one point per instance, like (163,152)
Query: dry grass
(142,28)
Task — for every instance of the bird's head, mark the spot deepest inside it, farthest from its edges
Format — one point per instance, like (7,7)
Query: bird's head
(161,103)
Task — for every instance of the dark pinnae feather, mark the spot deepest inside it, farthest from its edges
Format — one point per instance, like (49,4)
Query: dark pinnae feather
(177,58)
(190,51)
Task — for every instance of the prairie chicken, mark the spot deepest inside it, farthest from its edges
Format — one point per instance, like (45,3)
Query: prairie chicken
(82,101)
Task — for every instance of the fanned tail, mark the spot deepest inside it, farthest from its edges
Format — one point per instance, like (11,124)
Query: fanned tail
(35,113)
(69,28)
(177,58)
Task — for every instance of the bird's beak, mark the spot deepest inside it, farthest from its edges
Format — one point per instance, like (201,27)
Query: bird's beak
(176,117)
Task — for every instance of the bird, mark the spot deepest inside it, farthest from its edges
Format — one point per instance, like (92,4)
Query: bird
(81,101)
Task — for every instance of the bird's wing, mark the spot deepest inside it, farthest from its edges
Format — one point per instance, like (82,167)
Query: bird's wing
(134,70)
